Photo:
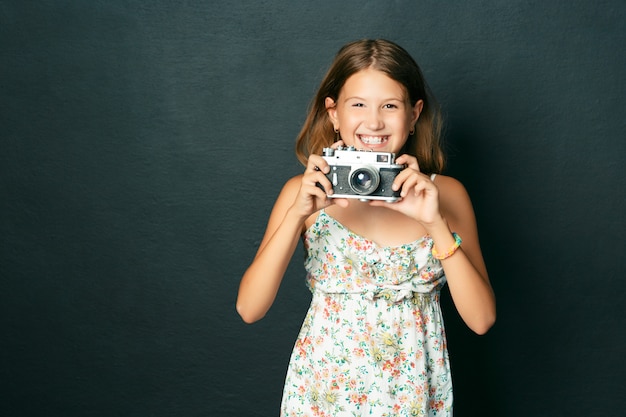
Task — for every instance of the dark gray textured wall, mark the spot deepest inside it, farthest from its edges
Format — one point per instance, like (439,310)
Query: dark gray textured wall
(143,144)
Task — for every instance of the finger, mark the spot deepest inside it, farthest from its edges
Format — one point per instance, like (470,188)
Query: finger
(317,163)
(409,184)
(312,194)
(337,144)
(318,180)
(402,177)
(408,160)
(420,188)
(318,193)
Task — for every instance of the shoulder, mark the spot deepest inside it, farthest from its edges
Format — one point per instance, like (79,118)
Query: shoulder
(291,187)
(454,200)
(449,186)
(287,194)
(285,199)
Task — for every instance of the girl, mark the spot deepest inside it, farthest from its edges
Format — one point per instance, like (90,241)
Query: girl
(373,340)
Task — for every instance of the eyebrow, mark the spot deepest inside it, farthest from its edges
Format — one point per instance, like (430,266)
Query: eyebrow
(364,99)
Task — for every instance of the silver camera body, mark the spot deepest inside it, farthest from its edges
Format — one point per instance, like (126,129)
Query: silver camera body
(366,175)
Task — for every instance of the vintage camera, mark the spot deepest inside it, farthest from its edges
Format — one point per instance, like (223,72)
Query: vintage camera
(365,175)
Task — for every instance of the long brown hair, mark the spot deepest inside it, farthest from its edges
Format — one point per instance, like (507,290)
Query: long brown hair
(388,57)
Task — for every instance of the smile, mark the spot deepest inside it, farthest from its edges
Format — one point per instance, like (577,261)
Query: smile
(373,140)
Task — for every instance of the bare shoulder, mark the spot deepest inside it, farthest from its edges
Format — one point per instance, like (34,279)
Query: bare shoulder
(456,207)
(284,200)
(454,200)
(450,187)
(288,192)
(291,187)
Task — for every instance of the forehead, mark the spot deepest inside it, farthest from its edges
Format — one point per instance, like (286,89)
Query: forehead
(372,83)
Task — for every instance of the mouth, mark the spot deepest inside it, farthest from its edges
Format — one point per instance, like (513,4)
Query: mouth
(373,140)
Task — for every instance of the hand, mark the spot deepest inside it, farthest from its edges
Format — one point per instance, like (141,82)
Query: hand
(419,195)
(315,187)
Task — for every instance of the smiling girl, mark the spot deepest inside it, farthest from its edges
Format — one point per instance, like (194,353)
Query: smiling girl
(373,340)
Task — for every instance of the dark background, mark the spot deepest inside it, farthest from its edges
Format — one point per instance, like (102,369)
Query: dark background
(142,147)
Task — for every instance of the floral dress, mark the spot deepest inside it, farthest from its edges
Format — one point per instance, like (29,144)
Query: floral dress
(373,340)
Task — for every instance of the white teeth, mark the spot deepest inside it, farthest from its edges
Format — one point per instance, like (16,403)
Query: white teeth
(373,140)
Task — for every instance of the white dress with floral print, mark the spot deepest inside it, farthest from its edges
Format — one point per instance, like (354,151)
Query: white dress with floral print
(373,341)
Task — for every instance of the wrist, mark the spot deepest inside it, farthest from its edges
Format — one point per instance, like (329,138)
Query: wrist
(293,214)
(441,255)
(438,226)
(445,242)
(295,217)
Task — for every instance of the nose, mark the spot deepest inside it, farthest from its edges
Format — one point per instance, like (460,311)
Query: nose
(374,119)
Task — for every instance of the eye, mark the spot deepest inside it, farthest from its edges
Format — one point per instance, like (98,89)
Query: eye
(390,106)
(358,105)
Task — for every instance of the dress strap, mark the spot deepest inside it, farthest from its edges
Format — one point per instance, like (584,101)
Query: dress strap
(432,177)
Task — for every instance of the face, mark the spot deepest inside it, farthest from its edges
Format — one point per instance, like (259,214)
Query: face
(373,112)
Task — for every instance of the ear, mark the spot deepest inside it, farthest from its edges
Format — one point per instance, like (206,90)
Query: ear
(416,111)
(331,109)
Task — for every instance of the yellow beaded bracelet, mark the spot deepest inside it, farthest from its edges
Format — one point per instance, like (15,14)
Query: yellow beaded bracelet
(450,252)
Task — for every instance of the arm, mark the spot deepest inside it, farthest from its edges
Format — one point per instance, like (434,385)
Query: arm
(299,199)
(442,209)
(465,271)
(260,282)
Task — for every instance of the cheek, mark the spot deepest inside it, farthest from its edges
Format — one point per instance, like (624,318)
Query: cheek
(349,120)
(403,123)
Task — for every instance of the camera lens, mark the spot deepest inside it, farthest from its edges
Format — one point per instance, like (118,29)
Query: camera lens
(364,180)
